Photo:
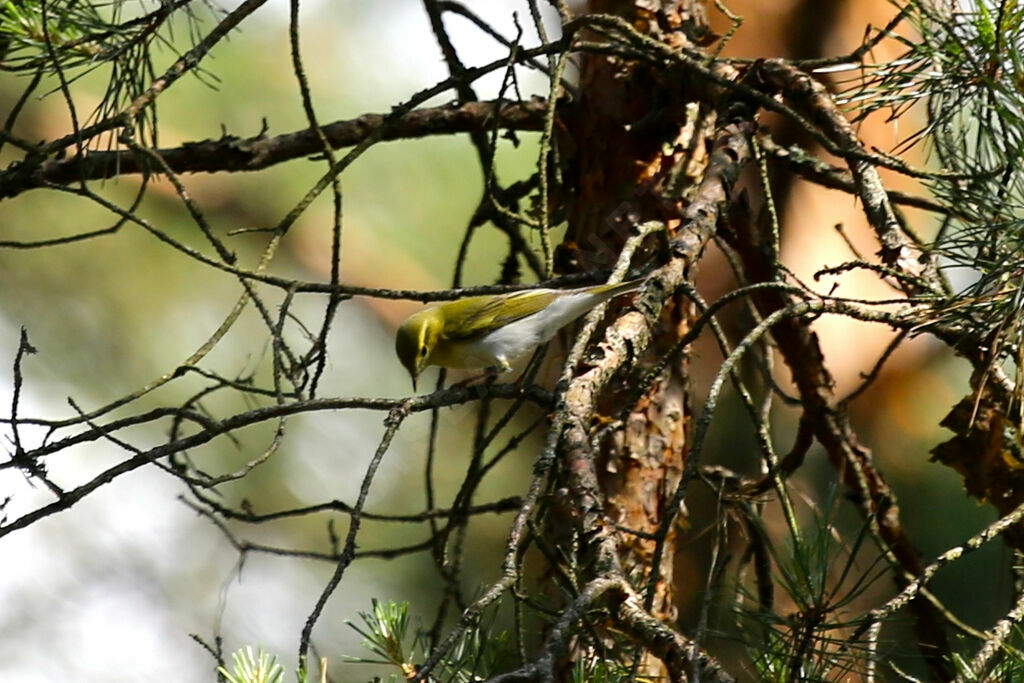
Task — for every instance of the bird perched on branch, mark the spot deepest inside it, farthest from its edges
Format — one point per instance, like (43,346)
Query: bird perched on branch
(492,331)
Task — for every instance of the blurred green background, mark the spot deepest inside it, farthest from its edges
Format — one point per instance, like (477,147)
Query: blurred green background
(117,585)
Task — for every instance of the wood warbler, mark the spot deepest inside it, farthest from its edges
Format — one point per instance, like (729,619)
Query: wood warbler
(492,331)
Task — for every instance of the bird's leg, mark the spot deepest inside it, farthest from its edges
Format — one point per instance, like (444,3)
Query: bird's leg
(488,377)
(532,367)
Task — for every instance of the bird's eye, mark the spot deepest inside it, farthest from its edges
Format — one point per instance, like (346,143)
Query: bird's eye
(423,350)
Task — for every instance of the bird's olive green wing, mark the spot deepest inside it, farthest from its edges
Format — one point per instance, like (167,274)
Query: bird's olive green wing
(478,315)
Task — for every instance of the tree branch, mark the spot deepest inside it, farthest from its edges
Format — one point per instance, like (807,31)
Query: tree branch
(234,154)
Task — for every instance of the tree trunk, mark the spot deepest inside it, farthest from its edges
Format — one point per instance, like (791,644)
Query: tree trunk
(633,143)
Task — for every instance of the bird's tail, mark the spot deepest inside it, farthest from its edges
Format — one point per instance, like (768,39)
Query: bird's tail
(611,291)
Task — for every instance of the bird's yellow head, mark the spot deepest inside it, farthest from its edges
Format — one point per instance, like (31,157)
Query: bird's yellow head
(416,340)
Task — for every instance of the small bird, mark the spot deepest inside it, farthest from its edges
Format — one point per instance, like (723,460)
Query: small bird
(492,331)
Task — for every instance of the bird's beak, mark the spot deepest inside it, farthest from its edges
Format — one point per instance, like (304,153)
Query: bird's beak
(414,378)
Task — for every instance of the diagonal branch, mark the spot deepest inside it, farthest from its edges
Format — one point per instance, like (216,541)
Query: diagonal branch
(812,99)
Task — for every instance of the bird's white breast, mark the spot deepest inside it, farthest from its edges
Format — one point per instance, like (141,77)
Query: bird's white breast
(516,339)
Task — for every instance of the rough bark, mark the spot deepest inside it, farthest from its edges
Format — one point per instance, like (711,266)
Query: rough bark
(632,144)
